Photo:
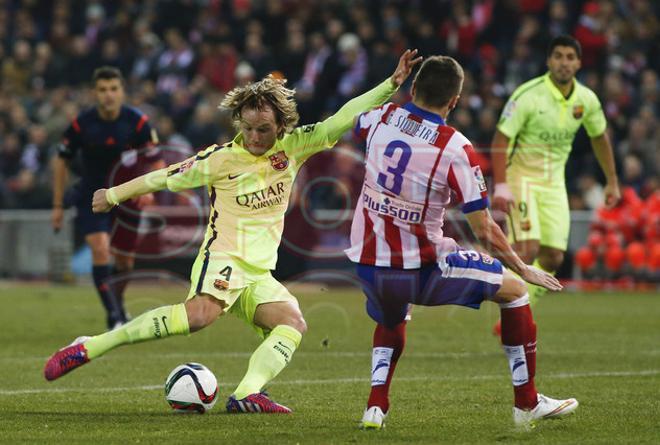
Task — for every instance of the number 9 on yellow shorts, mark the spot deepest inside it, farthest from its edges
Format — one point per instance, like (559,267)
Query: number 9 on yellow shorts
(540,213)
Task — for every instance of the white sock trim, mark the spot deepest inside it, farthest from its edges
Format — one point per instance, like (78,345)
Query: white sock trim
(381,359)
(522,301)
(517,364)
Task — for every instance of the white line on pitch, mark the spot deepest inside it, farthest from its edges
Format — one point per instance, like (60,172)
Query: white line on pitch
(340,354)
(645,373)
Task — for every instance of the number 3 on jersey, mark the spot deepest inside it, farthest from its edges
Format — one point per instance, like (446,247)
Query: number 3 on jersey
(394,175)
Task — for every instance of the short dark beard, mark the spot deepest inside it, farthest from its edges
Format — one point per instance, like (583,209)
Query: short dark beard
(562,81)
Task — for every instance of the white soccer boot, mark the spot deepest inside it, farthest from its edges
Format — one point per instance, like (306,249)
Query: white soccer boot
(373,419)
(547,408)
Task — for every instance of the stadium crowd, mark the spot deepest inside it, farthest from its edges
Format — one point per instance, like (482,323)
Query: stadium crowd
(180,56)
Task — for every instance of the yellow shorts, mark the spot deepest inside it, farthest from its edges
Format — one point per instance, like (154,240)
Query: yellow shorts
(238,285)
(541,213)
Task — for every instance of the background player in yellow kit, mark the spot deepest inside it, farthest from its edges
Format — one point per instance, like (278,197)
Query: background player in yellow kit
(529,151)
(249,181)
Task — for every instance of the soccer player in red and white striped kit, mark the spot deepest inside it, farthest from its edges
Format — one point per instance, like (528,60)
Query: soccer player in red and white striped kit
(414,162)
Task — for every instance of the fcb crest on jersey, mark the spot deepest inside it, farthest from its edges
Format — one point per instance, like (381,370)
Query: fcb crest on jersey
(578,111)
(221,284)
(185,166)
(279,161)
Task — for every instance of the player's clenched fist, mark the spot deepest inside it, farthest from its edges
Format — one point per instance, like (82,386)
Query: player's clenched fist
(503,198)
(100,202)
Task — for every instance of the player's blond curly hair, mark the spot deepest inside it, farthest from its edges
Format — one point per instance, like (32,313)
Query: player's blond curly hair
(268,91)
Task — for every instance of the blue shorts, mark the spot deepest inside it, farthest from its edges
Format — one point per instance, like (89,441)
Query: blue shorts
(121,224)
(80,197)
(464,278)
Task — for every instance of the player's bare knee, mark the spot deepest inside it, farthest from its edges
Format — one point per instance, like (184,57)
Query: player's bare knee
(100,255)
(291,316)
(512,289)
(520,288)
(202,311)
(298,323)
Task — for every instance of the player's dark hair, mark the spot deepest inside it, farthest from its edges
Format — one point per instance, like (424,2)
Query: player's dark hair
(106,73)
(565,40)
(438,80)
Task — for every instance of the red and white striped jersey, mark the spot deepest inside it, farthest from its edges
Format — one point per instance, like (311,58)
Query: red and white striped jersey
(413,163)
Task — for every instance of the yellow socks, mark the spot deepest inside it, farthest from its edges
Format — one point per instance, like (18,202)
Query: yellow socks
(157,323)
(272,355)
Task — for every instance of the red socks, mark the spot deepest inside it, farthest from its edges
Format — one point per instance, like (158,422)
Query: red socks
(388,346)
(519,342)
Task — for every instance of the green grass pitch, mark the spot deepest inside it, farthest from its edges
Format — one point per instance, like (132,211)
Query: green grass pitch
(452,384)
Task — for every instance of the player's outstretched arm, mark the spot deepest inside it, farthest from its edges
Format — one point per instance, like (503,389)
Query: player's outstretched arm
(344,118)
(60,176)
(105,199)
(194,172)
(502,197)
(493,239)
(604,154)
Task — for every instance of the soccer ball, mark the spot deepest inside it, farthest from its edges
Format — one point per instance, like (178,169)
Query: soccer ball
(191,387)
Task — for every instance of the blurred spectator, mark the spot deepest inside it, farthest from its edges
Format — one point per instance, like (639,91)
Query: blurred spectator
(175,63)
(486,127)
(203,129)
(47,71)
(292,61)
(10,170)
(170,138)
(258,56)
(17,69)
(95,18)
(649,91)
(558,18)
(217,64)
(111,55)
(633,172)
(590,32)
(353,60)
(617,102)
(244,74)
(460,33)
(591,191)
(521,67)
(82,62)
(640,143)
(381,60)
(144,64)
(180,107)
(318,53)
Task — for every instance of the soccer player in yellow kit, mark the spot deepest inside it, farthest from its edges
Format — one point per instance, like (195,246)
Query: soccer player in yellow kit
(530,149)
(249,180)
